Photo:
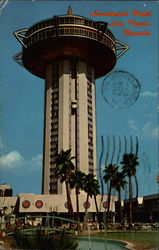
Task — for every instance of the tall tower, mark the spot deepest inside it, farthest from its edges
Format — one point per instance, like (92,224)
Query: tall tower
(69,52)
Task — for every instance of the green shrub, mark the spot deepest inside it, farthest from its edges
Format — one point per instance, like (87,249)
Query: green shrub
(41,240)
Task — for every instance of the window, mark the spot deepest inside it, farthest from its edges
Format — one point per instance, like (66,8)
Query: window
(48,34)
(72,20)
(91,170)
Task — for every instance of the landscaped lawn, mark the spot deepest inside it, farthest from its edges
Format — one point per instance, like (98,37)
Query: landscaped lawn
(149,238)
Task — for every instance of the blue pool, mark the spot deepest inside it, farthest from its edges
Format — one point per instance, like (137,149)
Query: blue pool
(99,244)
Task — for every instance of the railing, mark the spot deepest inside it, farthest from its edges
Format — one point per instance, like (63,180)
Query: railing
(63,20)
(27,228)
(69,31)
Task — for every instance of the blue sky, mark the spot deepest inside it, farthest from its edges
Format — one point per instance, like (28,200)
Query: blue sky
(21,138)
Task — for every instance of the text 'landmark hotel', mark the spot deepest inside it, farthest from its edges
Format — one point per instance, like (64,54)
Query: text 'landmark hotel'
(69,52)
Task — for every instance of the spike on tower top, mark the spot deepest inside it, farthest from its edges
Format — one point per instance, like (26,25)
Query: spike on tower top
(69,11)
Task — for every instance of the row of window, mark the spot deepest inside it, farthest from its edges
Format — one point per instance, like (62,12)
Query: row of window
(55,95)
(52,170)
(53,191)
(89,88)
(90,141)
(54,137)
(52,32)
(89,101)
(54,99)
(53,144)
(90,119)
(54,125)
(54,89)
(90,163)
(65,20)
(89,76)
(53,131)
(52,162)
(91,170)
(54,114)
(54,120)
(89,107)
(90,126)
(90,151)
(53,151)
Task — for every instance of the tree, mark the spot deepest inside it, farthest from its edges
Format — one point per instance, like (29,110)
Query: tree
(130,163)
(120,182)
(64,169)
(110,177)
(77,181)
(91,187)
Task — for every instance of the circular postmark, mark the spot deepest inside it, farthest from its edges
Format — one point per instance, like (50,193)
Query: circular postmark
(120,89)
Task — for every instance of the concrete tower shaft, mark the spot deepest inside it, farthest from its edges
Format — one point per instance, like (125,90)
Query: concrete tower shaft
(69,118)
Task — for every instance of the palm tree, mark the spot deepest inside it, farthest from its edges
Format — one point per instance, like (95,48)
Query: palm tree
(77,181)
(64,169)
(129,168)
(110,177)
(91,187)
(120,183)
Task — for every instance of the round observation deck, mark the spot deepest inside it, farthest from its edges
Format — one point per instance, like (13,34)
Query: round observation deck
(69,37)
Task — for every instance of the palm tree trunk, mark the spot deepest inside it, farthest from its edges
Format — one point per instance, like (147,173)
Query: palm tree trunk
(95,201)
(120,207)
(97,210)
(130,201)
(109,198)
(85,213)
(96,205)
(69,202)
(100,173)
(137,189)
(77,205)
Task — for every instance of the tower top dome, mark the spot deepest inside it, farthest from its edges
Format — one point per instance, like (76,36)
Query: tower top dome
(68,37)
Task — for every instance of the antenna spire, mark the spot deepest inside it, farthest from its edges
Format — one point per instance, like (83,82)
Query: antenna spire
(69,11)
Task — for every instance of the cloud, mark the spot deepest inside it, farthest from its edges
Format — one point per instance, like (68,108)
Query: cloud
(133,124)
(150,115)
(15,160)
(12,160)
(35,162)
(148,94)
(149,131)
